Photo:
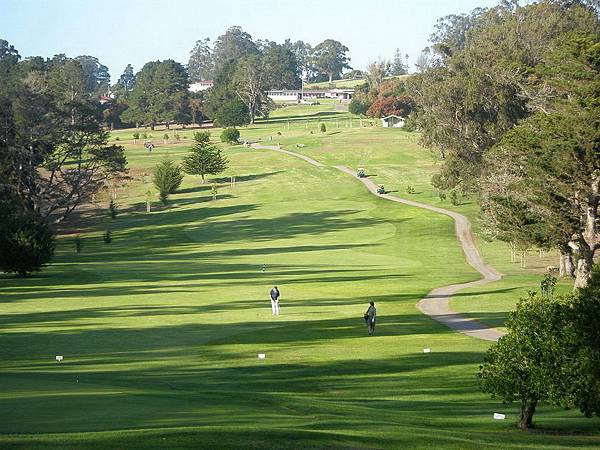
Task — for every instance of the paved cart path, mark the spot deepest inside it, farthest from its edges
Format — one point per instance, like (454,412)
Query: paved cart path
(436,304)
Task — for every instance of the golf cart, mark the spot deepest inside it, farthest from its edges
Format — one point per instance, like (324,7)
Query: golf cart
(380,189)
(361,173)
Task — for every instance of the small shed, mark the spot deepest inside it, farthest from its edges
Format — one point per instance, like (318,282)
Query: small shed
(392,121)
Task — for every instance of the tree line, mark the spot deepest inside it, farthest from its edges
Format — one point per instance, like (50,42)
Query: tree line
(509,97)
(54,151)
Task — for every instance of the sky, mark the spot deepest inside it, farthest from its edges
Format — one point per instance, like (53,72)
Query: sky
(121,32)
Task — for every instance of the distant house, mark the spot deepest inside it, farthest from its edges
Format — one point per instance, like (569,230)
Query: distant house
(201,85)
(296,95)
(392,121)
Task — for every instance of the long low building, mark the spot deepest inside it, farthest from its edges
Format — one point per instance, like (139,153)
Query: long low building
(296,95)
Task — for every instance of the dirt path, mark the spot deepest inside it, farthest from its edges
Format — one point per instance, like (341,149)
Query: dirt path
(436,304)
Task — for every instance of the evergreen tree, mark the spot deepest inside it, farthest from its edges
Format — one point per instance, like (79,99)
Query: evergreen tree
(204,158)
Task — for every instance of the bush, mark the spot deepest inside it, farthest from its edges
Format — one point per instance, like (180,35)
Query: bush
(117,138)
(26,244)
(410,189)
(106,237)
(359,107)
(167,179)
(177,137)
(166,137)
(323,128)
(136,136)
(230,135)
(112,208)
(144,135)
(78,244)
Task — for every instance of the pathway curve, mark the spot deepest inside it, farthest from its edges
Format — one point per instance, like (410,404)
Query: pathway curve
(436,303)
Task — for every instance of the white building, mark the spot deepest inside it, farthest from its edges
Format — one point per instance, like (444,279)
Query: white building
(392,121)
(296,95)
(201,85)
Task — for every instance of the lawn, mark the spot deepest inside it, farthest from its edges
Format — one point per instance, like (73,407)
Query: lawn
(161,328)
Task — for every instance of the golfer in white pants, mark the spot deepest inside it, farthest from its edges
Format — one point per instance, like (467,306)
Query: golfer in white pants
(275,301)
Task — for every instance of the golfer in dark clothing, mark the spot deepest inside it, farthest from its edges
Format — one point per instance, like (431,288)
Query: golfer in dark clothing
(370,316)
(275,301)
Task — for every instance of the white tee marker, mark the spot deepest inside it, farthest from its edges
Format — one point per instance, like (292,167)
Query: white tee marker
(261,356)
(59,358)
(426,350)
(498,416)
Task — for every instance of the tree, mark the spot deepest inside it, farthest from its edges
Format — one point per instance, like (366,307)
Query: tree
(249,84)
(376,73)
(329,58)
(534,361)
(231,46)
(204,158)
(201,64)
(160,95)
(57,152)
(359,105)
(26,244)
(303,53)
(476,88)
(400,65)
(126,83)
(197,106)
(167,179)
(385,106)
(548,165)
(281,67)
(586,321)
(233,112)
(97,78)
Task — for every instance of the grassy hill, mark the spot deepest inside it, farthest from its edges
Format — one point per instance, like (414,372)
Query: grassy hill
(161,328)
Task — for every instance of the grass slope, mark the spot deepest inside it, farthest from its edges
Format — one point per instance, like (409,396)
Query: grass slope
(160,329)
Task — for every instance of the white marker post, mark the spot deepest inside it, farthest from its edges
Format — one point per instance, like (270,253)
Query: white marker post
(59,358)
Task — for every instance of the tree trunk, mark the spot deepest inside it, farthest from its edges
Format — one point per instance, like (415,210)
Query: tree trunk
(565,263)
(330,77)
(583,271)
(527,411)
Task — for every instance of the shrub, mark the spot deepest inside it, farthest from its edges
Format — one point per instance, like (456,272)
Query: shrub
(167,179)
(26,244)
(177,137)
(442,195)
(136,136)
(112,208)
(144,135)
(106,237)
(117,138)
(78,244)
(323,128)
(410,189)
(230,135)
(166,137)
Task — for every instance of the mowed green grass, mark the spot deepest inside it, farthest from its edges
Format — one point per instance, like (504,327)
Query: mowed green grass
(160,329)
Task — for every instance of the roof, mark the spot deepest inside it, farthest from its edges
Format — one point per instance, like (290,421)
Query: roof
(392,115)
